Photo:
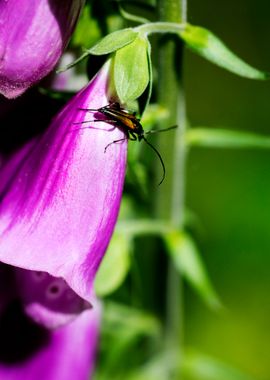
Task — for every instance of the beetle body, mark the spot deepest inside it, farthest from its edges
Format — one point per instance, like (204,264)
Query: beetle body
(129,124)
(125,120)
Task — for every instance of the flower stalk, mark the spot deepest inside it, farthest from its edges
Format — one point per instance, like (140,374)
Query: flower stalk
(170,197)
(160,27)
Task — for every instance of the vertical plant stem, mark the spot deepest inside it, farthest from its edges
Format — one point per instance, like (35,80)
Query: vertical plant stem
(170,196)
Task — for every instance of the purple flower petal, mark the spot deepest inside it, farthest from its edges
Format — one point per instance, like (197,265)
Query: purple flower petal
(60,195)
(33,35)
(67,353)
(69,80)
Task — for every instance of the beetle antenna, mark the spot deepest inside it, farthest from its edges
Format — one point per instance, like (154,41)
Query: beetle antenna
(88,109)
(160,158)
(160,130)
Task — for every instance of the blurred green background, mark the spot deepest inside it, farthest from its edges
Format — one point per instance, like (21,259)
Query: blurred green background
(229,190)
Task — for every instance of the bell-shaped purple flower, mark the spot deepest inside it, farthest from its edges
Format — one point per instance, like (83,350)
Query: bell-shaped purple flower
(59,201)
(33,35)
(29,351)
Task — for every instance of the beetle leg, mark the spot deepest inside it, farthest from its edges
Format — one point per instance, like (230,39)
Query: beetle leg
(132,136)
(115,142)
(95,121)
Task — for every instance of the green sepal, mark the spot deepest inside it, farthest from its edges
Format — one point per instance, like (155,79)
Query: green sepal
(114,41)
(131,70)
(207,45)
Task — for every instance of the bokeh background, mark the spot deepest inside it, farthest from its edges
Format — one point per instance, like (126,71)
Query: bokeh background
(229,190)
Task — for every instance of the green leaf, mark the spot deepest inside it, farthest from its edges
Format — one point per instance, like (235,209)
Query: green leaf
(114,266)
(206,44)
(159,367)
(131,70)
(187,260)
(123,329)
(114,41)
(119,317)
(225,138)
(197,366)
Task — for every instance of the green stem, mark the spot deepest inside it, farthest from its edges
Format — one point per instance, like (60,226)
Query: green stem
(160,27)
(146,227)
(170,196)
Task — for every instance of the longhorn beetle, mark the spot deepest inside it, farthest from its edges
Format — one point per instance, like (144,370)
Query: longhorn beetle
(129,124)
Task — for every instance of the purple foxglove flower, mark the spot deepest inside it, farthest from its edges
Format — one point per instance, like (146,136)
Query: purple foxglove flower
(59,200)
(69,80)
(29,351)
(33,35)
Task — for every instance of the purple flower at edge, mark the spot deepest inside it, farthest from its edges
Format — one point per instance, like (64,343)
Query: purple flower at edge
(33,35)
(59,201)
(29,351)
